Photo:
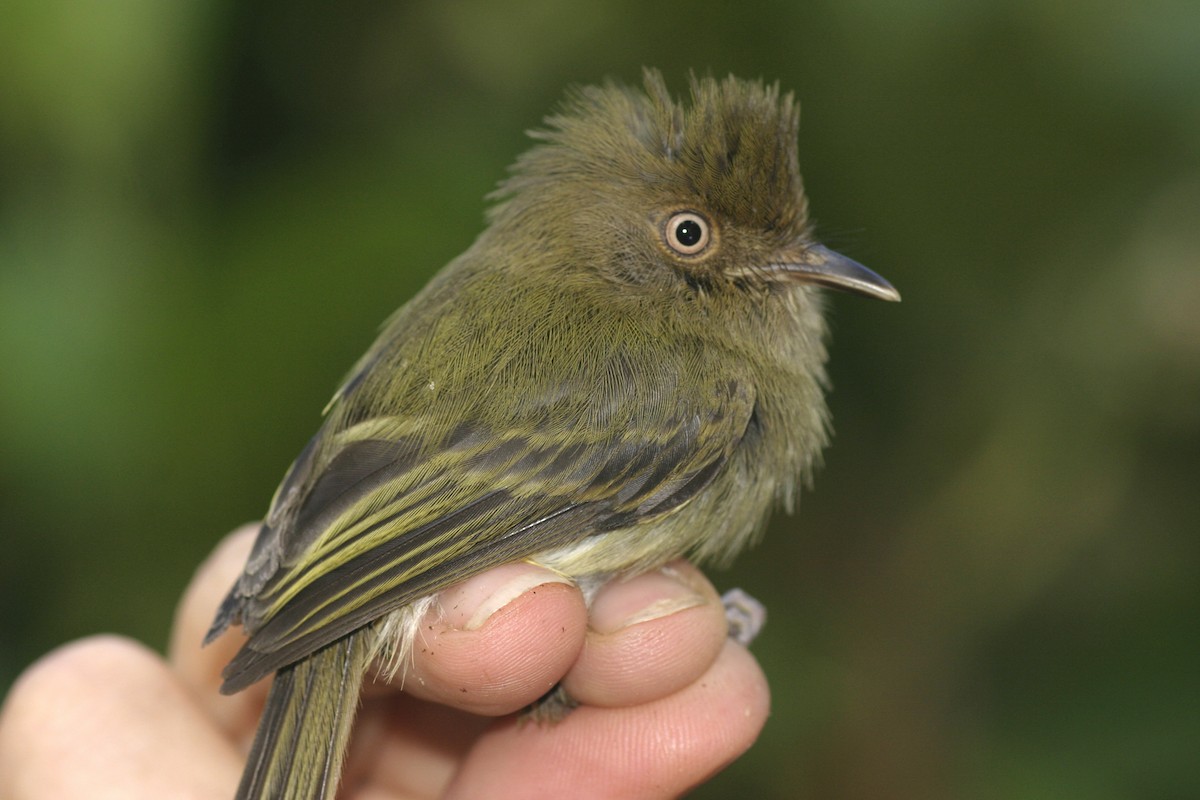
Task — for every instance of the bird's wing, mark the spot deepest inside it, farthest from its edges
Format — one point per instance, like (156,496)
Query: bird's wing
(388,519)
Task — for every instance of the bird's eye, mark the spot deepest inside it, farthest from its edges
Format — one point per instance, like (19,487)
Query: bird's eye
(687,233)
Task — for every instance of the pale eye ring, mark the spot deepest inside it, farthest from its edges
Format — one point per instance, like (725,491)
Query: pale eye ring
(687,233)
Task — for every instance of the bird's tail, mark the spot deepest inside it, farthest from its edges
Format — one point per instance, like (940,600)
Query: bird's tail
(301,739)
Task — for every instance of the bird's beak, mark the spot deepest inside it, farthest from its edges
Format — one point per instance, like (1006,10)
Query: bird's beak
(817,264)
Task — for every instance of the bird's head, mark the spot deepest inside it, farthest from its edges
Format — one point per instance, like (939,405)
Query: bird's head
(705,195)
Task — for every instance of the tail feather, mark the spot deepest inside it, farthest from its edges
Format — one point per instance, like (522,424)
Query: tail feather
(301,739)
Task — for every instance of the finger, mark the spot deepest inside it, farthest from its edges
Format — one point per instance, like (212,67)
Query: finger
(656,750)
(498,641)
(406,747)
(487,650)
(648,638)
(491,645)
(105,718)
(199,667)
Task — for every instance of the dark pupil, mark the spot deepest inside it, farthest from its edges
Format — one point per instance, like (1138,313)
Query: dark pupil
(688,233)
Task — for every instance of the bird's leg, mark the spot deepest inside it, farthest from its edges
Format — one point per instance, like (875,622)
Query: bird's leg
(744,615)
(551,707)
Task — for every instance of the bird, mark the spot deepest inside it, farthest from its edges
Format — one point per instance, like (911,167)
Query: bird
(626,367)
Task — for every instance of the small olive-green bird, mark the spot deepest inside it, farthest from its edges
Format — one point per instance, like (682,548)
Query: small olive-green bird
(626,367)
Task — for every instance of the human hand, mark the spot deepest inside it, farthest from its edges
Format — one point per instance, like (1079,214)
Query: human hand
(667,700)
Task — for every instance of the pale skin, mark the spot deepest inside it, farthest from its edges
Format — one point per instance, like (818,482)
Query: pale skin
(667,700)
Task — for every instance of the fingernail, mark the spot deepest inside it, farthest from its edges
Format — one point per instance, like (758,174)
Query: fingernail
(469,605)
(655,595)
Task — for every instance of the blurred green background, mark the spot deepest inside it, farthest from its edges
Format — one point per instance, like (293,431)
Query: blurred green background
(206,208)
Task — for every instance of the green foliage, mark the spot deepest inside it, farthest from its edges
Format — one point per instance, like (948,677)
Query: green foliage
(207,208)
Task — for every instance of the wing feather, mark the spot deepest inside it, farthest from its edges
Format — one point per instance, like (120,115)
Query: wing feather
(381,522)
